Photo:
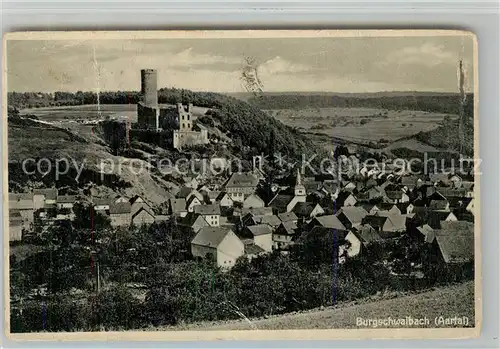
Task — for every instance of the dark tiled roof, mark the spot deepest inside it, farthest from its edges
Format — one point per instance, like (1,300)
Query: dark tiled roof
(456,248)
(140,210)
(102,202)
(178,205)
(367,234)
(206,210)
(183,192)
(288,227)
(287,216)
(271,220)
(280,202)
(260,229)
(66,199)
(242,180)
(253,249)
(210,236)
(329,221)
(304,209)
(120,208)
(20,196)
(352,213)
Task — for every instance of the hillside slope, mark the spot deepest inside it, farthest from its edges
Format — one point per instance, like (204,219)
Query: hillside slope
(29,139)
(456,300)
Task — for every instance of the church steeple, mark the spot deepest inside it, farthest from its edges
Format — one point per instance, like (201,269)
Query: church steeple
(299,189)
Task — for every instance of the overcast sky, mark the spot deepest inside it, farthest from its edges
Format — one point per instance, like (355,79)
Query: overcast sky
(357,64)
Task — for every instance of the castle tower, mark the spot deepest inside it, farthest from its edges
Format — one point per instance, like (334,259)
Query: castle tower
(149,87)
(184,117)
(299,189)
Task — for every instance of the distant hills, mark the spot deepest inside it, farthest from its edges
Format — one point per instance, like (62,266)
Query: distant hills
(447,103)
(248,95)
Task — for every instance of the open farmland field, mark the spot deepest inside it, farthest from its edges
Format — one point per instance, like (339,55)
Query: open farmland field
(82,112)
(456,300)
(360,124)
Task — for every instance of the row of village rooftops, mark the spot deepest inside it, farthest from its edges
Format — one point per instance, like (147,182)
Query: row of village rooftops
(360,211)
(240,188)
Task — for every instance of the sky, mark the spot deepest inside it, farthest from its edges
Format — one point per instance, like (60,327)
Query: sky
(329,64)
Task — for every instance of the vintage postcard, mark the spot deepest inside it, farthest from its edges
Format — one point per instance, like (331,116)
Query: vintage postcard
(202,185)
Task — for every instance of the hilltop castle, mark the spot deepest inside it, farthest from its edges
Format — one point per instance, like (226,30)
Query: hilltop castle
(154,116)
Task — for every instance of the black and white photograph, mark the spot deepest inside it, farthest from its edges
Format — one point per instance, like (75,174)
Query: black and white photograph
(218,183)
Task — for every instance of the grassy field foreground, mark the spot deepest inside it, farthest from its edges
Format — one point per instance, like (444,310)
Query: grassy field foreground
(449,303)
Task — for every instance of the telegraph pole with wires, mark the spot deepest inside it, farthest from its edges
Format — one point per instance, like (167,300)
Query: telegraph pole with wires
(461,107)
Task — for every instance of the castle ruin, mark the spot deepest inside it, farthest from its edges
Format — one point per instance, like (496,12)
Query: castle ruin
(158,117)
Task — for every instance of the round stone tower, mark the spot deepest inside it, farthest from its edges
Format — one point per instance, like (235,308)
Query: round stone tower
(149,88)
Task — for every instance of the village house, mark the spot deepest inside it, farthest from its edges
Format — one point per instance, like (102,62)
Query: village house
(390,225)
(328,221)
(252,250)
(192,202)
(271,220)
(241,185)
(197,194)
(288,217)
(195,222)
(386,208)
(351,216)
(330,188)
(211,213)
(424,215)
(349,186)
(452,247)
(16,225)
(191,182)
(405,208)
(184,192)
(66,202)
(284,234)
(369,208)
(120,214)
(439,205)
(178,207)
(24,204)
(470,206)
(425,233)
(101,205)
(219,243)
(411,182)
(345,198)
(351,248)
(262,235)
(120,199)
(373,193)
(395,196)
(224,200)
(41,197)
(210,196)
(143,215)
(307,210)
(366,235)
(253,201)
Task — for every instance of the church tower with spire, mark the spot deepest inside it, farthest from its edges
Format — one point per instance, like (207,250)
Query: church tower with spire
(299,189)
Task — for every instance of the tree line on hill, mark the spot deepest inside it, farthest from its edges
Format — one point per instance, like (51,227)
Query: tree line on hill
(439,103)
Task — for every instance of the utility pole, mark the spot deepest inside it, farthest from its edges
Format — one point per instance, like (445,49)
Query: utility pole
(98,278)
(461,106)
